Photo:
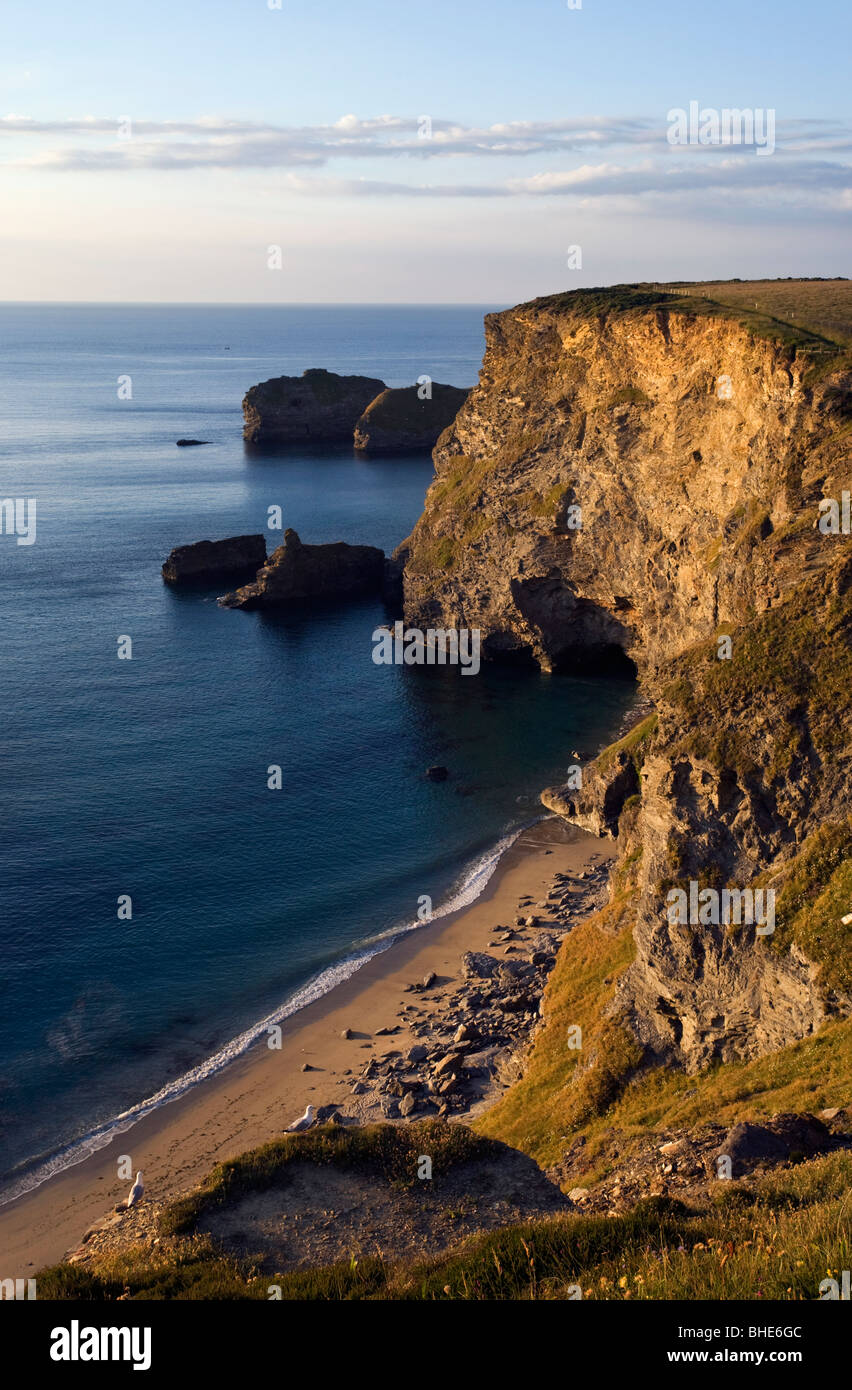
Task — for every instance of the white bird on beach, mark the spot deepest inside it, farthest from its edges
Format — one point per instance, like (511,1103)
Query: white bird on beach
(136,1190)
(303,1122)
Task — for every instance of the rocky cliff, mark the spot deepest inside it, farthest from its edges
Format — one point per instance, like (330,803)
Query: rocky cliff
(318,405)
(297,573)
(401,419)
(635,485)
(208,561)
(324,407)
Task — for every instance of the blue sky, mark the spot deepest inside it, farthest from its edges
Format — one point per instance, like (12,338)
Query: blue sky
(302,127)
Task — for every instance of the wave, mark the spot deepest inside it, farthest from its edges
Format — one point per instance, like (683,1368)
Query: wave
(466,890)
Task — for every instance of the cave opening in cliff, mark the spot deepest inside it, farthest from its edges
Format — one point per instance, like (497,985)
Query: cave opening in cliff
(604,659)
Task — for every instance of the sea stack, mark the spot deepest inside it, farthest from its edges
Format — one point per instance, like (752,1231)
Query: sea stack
(296,573)
(209,561)
(400,419)
(318,405)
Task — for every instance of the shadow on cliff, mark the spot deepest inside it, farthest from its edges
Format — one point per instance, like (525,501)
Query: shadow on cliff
(576,635)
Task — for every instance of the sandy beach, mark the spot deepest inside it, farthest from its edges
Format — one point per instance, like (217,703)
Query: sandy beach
(258,1095)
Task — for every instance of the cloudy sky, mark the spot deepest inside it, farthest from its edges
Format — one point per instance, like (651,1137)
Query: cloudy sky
(451,151)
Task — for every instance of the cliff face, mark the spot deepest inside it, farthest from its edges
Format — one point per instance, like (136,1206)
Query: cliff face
(628,482)
(681,438)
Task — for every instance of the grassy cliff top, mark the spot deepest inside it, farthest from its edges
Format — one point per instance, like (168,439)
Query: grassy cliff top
(809,315)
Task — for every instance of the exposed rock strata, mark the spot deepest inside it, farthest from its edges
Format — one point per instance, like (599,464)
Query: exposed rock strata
(617,413)
(296,573)
(698,514)
(209,561)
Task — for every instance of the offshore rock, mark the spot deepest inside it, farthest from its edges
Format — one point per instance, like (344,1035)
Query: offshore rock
(318,405)
(296,573)
(207,561)
(398,420)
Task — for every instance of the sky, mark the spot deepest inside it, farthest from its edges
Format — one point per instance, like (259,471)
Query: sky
(480,151)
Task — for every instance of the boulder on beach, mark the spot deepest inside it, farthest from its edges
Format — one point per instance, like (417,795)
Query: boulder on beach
(318,405)
(208,561)
(399,420)
(296,573)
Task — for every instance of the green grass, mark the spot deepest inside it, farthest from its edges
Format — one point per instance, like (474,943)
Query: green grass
(789,678)
(774,1241)
(628,395)
(815,895)
(636,742)
(547,506)
(809,316)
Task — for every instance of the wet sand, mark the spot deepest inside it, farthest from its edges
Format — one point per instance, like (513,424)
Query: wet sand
(258,1095)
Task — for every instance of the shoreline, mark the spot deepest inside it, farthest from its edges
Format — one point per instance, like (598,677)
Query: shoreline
(48,1167)
(255,1096)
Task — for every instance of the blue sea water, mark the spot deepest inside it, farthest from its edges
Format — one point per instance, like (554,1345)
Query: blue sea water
(148,777)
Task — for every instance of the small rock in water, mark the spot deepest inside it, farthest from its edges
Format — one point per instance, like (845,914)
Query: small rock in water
(437,774)
(187,443)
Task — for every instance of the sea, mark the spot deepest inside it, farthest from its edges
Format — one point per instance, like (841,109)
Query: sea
(160,904)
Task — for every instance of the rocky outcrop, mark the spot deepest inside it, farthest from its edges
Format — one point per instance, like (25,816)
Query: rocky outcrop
(297,573)
(683,1162)
(603,492)
(632,481)
(597,802)
(317,406)
(209,561)
(401,419)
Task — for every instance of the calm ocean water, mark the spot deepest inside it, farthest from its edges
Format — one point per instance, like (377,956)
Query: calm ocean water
(148,777)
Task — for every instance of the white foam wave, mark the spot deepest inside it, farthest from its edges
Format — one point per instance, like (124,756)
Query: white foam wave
(470,885)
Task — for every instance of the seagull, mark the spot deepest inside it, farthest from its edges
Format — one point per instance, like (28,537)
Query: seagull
(136,1190)
(303,1122)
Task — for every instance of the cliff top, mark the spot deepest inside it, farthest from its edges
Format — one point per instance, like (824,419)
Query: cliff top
(808,315)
